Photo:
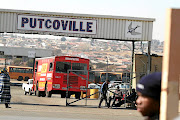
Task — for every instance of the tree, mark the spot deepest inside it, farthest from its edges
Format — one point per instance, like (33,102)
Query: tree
(17,61)
(30,62)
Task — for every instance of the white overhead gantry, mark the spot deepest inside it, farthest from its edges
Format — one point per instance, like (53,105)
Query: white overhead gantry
(78,25)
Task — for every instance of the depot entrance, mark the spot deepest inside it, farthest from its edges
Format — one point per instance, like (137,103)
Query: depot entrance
(99,27)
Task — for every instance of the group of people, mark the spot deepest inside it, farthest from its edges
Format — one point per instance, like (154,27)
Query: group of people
(148,92)
(118,95)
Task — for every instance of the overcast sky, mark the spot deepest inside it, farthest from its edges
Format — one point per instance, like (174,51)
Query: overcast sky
(133,8)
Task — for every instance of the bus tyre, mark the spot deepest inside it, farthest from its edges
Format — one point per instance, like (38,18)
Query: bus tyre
(48,93)
(63,94)
(43,93)
(69,95)
(37,91)
(77,95)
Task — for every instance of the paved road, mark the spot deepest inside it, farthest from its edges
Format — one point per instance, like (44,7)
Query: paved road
(42,108)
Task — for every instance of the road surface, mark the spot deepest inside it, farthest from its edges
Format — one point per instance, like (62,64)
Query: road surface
(26,107)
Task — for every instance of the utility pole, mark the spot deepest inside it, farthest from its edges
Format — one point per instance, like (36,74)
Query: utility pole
(132,66)
(107,69)
(149,58)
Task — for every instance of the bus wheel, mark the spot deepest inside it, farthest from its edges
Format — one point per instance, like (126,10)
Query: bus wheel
(38,92)
(77,95)
(69,94)
(63,94)
(48,93)
(43,93)
(35,93)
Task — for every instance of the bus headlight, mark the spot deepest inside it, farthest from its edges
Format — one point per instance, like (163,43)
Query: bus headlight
(82,87)
(57,86)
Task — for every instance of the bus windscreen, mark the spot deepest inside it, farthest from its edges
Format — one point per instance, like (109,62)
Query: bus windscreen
(62,67)
(80,66)
(111,77)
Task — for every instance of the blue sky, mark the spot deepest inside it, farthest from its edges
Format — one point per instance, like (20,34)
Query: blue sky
(134,8)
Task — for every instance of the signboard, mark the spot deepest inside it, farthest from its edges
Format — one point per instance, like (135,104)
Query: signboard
(53,24)
(133,29)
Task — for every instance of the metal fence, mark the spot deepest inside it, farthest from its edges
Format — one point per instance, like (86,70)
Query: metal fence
(93,84)
(89,93)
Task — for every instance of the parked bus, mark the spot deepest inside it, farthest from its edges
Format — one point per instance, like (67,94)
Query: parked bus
(51,74)
(100,77)
(20,72)
(111,76)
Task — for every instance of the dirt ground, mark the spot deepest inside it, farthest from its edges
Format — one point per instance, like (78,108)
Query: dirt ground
(28,107)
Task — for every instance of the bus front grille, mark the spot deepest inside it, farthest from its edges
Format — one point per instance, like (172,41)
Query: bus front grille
(73,80)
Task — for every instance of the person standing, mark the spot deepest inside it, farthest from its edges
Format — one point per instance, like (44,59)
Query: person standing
(104,89)
(149,91)
(5,95)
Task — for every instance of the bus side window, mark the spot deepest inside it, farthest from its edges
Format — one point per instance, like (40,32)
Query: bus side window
(50,67)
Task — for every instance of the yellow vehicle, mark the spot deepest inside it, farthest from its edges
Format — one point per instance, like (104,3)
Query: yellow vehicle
(100,77)
(111,76)
(20,72)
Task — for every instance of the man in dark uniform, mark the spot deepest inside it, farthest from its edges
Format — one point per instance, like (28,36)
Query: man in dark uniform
(104,89)
(149,92)
(132,96)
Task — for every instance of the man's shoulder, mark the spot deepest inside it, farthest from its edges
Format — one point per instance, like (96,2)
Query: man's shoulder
(155,117)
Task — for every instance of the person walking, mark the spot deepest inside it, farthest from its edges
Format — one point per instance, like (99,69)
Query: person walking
(149,91)
(104,89)
(5,95)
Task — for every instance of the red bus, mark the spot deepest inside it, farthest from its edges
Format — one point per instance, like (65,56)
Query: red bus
(50,75)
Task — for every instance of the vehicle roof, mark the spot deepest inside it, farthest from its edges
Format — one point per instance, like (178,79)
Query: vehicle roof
(53,57)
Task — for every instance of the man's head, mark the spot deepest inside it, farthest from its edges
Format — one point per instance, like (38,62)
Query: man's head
(4,70)
(107,81)
(133,90)
(149,90)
